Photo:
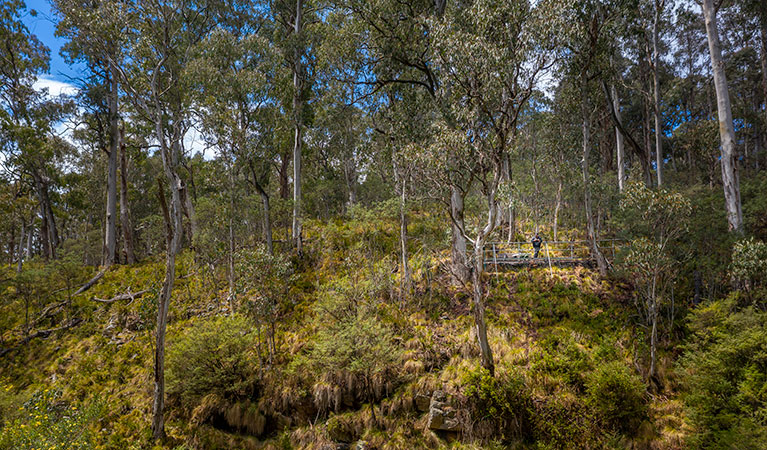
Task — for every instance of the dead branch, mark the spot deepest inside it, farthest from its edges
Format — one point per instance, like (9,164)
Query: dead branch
(127,296)
(90,283)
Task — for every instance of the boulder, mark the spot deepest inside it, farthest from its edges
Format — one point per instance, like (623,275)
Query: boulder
(422,402)
(442,416)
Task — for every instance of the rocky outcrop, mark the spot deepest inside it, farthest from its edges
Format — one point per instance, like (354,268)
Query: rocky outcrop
(442,416)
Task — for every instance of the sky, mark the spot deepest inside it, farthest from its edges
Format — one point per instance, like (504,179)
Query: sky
(62,78)
(43,26)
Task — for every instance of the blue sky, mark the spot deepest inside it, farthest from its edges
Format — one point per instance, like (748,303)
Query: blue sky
(43,26)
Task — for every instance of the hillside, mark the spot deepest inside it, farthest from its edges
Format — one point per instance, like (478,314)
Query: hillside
(348,362)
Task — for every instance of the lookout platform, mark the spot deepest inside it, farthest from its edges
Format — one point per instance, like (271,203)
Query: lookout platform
(498,255)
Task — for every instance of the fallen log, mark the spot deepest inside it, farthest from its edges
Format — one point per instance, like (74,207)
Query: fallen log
(90,283)
(127,296)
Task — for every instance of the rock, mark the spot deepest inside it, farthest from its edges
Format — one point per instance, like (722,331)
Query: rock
(442,416)
(422,402)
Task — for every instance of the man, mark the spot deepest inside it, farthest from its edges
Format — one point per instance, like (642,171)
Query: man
(536,244)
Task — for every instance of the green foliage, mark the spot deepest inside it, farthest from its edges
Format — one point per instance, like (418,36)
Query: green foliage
(749,264)
(724,371)
(563,356)
(618,397)
(213,356)
(47,423)
(504,401)
(354,346)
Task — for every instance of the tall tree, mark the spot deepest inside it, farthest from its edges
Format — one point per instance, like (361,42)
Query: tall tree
(729,163)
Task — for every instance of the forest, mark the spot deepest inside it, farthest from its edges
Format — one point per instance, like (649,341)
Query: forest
(383,224)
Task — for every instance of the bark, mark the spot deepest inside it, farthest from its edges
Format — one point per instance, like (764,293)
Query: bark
(298,138)
(20,260)
(458,245)
(556,208)
(403,220)
(726,131)
(48,234)
(586,129)
(283,175)
(763,62)
(231,235)
(188,209)
(110,225)
(267,209)
(125,218)
(170,153)
(656,94)
(619,147)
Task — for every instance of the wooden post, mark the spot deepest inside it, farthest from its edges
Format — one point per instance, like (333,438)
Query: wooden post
(548,256)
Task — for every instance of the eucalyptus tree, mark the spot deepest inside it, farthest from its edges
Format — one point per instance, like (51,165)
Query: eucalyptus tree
(489,56)
(161,36)
(94,31)
(296,38)
(588,41)
(232,70)
(27,116)
(389,47)
(729,163)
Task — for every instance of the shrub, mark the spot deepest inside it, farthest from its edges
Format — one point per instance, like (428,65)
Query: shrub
(617,396)
(502,402)
(354,353)
(212,357)
(724,369)
(48,423)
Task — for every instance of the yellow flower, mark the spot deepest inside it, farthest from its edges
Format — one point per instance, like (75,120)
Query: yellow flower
(38,423)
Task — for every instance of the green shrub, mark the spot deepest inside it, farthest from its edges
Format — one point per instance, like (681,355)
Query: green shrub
(724,372)
(617,396)
(354,354)
(48,423)
(213,356)
(503,402)
(561,355)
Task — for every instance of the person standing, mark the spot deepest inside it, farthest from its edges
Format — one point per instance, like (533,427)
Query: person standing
(536,244)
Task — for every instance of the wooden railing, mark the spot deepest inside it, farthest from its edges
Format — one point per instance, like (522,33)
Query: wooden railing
(556,252)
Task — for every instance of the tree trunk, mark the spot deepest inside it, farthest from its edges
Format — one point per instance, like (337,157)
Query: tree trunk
(20,261)
(110,226)
(174,233)
(403,219)
(188,208)
(654,324)
(726,130)
(556,208)
(763,61)
(283,175)
(48,235)
(480,325)
(619,147)
(586,125)
(125,218)
(298,140)
(267,223)
(656,94)
(458,246)
(231,235)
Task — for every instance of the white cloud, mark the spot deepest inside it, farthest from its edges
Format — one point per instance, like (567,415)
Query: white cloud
(55,87)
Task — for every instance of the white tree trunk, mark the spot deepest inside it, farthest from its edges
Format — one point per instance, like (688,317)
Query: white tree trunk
(656,94)
(586,130)
(458,245)
(619,146)
(298,139)
(726,130)
(110,230)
